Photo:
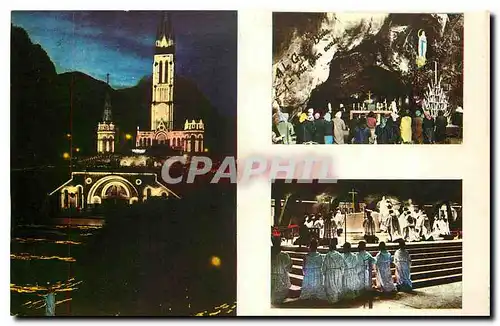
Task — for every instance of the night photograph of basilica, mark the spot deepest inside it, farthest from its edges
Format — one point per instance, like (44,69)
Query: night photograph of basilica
(99,102)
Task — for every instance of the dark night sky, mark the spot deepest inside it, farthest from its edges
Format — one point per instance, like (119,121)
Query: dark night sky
(122,44)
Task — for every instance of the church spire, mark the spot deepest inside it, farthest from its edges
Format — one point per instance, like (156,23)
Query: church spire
(107,104)
(165,35)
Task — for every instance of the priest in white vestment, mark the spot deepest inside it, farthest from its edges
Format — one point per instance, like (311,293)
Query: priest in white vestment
(309,222)
(333,270)
(351,276)
(403,222)
(339,220)
(413,235)
(402,261)
(394,228)
(281,266)
(423,226)
(383,267)
(320,225)
(312,284)
(366,262)
(383,214)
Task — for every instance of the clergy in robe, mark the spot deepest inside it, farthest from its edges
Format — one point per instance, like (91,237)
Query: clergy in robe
(366,262)
(328,226)
(320,225)
(339,221)
(281,266)
(383,268)
(394,228)
(312,284)
(383,208)
(333,270)
(369,223)
(403,222)
(423,226)
(402,261)
(309,222)
(413,235)
(351,270)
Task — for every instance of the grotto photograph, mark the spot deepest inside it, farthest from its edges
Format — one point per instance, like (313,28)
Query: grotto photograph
(367,78)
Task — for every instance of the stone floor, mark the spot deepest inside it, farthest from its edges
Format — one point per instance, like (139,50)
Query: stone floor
(446,296)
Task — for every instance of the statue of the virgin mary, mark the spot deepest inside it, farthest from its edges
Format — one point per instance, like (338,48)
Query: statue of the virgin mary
(422,48)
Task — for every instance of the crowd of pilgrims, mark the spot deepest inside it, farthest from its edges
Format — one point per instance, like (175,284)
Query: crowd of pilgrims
(336,276)
(410,224)
(398,127)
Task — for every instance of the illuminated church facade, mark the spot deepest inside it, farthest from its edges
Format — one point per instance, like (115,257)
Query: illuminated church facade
(189,140)
(87,189)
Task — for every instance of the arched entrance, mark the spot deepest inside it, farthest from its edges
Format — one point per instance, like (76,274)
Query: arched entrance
(112,188)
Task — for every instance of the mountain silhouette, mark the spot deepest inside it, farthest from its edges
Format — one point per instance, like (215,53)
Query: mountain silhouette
(46,106)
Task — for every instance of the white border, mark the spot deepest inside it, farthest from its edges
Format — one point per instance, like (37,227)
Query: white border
(468,162)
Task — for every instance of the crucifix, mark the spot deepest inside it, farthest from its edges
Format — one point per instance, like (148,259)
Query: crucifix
(353,193)
(369,95)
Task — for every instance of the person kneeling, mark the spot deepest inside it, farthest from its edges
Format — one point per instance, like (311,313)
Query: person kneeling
(402,260)
(333,269)
(312,285)
(351,279)
(383,265)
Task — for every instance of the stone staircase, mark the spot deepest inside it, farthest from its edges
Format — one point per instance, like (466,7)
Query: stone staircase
(433,263)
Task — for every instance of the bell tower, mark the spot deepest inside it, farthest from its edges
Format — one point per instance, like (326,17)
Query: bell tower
(162,107)
(106,129)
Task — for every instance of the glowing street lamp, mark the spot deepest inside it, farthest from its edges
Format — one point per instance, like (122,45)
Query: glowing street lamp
(77,149)
(128,136)
(66,156)
(215,261)
(68,135)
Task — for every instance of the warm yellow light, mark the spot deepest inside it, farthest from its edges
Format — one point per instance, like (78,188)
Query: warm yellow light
(68,135)
(66,156)
(77,149)
(206,150)
(215,261)
(128,136)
